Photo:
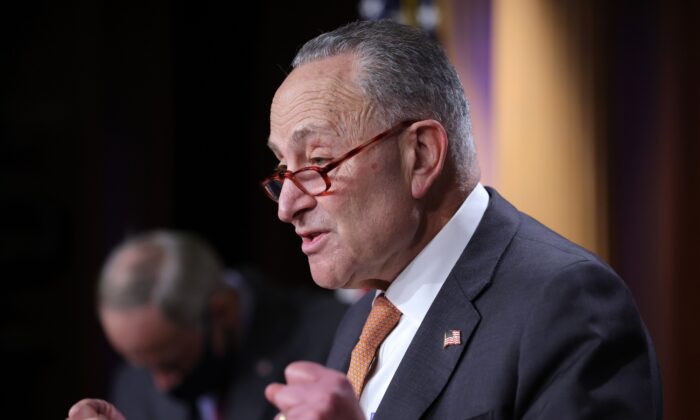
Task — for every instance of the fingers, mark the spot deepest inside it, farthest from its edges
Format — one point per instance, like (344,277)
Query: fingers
(272,390)
(291,395)
(313,392)
(296,374)
(109,411)
(94,409)
(82,410)
(303,372)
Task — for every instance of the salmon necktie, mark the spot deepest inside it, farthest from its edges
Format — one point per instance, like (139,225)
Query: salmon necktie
(381,320)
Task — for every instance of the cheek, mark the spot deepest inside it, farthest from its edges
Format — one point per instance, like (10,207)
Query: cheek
(370,208)
(373,220)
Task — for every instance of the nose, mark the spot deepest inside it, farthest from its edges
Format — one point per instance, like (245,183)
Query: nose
(293,201)
(165,381)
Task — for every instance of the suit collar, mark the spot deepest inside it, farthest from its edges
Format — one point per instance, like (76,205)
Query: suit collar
(415,288)
(475,268)
(427,366)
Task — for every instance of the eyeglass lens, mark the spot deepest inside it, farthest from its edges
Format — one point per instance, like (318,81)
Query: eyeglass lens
(310,180)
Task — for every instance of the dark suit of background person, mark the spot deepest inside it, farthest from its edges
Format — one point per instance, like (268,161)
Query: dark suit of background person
(284,327)
(523,298)
(277,327)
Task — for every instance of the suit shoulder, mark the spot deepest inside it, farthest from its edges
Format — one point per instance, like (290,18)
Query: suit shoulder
(131,387)
(542,249)
(127,376)
(537,259)
(319,310)
(295,324)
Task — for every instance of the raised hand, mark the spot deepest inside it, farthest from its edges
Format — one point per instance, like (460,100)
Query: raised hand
(94,409)
(314,392)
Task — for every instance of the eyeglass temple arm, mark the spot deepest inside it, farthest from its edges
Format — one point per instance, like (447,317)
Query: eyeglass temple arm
(337,161)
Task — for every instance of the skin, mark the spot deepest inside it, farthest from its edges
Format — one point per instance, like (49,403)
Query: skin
(146,339)
(142,334)
(372,222)
(94,409)
(337,402)
(384,206)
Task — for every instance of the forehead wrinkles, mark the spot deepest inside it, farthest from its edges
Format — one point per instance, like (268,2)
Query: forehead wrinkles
(317,97)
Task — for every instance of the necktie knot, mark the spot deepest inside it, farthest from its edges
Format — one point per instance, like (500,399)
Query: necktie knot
(381,321)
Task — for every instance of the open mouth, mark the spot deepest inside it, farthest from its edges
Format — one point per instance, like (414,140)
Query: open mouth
(311,241)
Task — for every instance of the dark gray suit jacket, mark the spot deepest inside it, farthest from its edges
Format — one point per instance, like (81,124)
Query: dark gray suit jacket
(287,326)
(548,332)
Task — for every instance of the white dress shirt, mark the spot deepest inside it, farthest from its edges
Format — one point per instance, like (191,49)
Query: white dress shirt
(415,288)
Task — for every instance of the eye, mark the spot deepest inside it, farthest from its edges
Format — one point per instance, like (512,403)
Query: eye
(319,161)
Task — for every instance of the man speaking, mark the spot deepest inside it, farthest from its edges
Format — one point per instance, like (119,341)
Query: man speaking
(477,310)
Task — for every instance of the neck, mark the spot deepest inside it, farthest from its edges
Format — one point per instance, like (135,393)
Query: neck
(439,206)
(434,212)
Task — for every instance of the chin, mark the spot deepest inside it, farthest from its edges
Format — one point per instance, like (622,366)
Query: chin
(325,276)
(327,282)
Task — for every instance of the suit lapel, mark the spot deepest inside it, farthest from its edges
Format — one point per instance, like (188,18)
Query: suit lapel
(427,365)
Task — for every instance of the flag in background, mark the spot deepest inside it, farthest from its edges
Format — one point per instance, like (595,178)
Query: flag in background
(463,27)
(421,13)
(531,89)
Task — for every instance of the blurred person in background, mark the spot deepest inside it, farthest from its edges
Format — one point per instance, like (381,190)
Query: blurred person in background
(202,342)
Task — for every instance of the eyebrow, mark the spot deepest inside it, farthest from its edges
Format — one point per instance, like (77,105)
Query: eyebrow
(301,134)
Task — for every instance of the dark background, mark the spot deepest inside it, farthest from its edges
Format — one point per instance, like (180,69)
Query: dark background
(117,117)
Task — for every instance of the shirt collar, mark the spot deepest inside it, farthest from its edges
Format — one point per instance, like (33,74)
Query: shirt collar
(415,288)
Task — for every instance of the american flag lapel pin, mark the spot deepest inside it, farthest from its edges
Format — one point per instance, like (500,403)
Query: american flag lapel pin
(452,338)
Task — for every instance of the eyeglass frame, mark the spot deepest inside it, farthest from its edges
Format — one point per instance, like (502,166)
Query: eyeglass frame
(323,170)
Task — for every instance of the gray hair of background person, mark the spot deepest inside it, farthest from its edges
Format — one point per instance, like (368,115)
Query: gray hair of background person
(408,75)
(176,271)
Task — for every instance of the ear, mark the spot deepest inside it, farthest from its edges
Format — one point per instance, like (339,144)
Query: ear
(427,152)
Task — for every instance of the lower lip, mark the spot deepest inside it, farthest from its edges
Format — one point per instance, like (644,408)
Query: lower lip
(310,246)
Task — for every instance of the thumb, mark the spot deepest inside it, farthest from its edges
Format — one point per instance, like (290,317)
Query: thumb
(82,411)
(94,409)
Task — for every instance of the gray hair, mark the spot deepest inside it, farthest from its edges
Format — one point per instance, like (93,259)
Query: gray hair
(408,76)
(175,271)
